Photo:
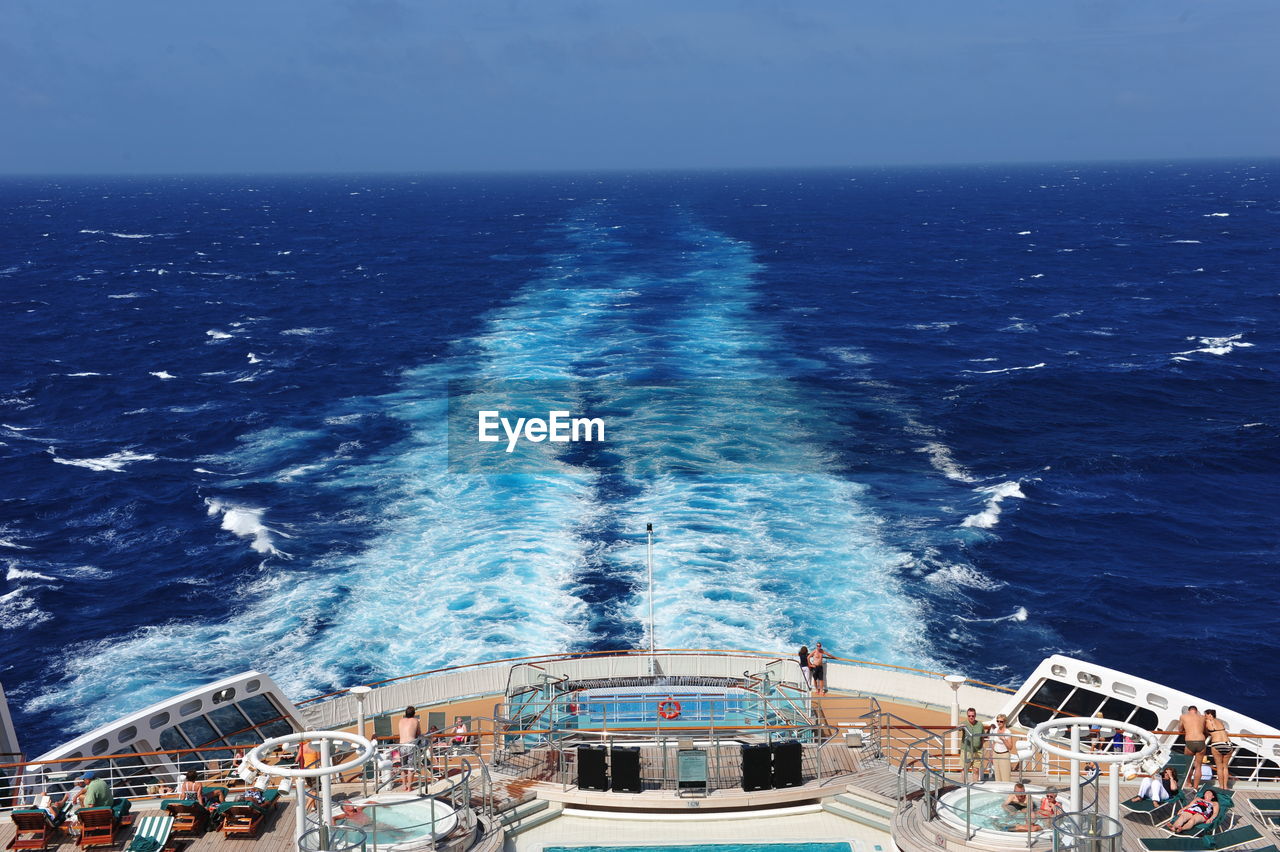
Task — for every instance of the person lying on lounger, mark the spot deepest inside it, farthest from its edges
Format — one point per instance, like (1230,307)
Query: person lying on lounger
(1202,810)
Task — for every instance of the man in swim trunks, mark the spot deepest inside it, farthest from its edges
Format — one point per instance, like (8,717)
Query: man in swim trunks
(818,668)
(1191,724)
(1018,800)
(409,728)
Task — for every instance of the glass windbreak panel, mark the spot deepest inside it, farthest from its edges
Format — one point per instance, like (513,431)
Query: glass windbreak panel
(228,720)
(1144,718)
(218,760)
(278,728)
(259,709)
(1116,709)
(1084,702)
(1030,716)
(199,731)
(172,738)
(1051,694)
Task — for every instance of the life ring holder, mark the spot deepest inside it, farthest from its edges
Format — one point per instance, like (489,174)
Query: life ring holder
(669,709)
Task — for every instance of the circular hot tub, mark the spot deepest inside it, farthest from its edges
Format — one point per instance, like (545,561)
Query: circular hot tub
(987,818)
(397,822)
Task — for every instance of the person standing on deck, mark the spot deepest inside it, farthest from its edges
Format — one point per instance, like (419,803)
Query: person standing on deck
(818,666)
(804,667)
(1001,747)
(972,732)
(1219,746)
(410,728)
(1191,724)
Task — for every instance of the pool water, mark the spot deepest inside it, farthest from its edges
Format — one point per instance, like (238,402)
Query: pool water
(640,706)
(714,847)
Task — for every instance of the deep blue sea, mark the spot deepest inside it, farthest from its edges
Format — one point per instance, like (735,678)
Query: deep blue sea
(1001,412)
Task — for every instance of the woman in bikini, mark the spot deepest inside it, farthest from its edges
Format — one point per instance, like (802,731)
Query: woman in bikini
(189,788)
(1202,810)
(1219,746)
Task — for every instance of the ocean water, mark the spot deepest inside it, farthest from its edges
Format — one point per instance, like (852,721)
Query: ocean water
(950,418)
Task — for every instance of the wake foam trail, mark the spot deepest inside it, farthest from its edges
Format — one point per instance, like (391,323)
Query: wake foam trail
(996,494)
(744,558)
(463,566)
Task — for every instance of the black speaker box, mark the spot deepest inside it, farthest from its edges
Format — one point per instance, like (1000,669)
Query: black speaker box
(757,761)
(786,763)
(592,774)
(624,767)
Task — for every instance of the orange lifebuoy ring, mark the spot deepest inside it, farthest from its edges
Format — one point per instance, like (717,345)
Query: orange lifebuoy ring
(669,709)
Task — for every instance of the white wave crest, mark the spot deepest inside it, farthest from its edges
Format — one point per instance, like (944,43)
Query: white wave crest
(125,296)
(1216,215)
(245,522)
(1218,345)
(1019,614)
(218,335)
(163,374)
(996,494)
(254,359)
(115,462)
(15,573)
(305,331)
(1005,370)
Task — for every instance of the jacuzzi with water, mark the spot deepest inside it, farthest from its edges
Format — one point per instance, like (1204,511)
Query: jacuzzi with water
(402,822)
(988,819)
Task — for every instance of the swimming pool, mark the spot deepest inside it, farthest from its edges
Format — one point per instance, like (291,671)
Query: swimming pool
(640,706)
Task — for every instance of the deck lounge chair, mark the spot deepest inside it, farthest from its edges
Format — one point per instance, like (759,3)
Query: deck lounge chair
(98,825)
(1226,840)
(34,827)
(1159,812)
(1224,797)
(190,818)
(151,835)
(1265,806)
(245,819)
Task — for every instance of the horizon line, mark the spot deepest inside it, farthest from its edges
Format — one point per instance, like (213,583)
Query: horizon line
(648,170)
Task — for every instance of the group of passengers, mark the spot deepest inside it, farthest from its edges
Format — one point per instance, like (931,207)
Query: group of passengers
(1204,733)
(416,747)
(813,667)
(89,791)
(1028,813)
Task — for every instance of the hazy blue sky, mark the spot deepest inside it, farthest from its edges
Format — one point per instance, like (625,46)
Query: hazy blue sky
(419,85)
